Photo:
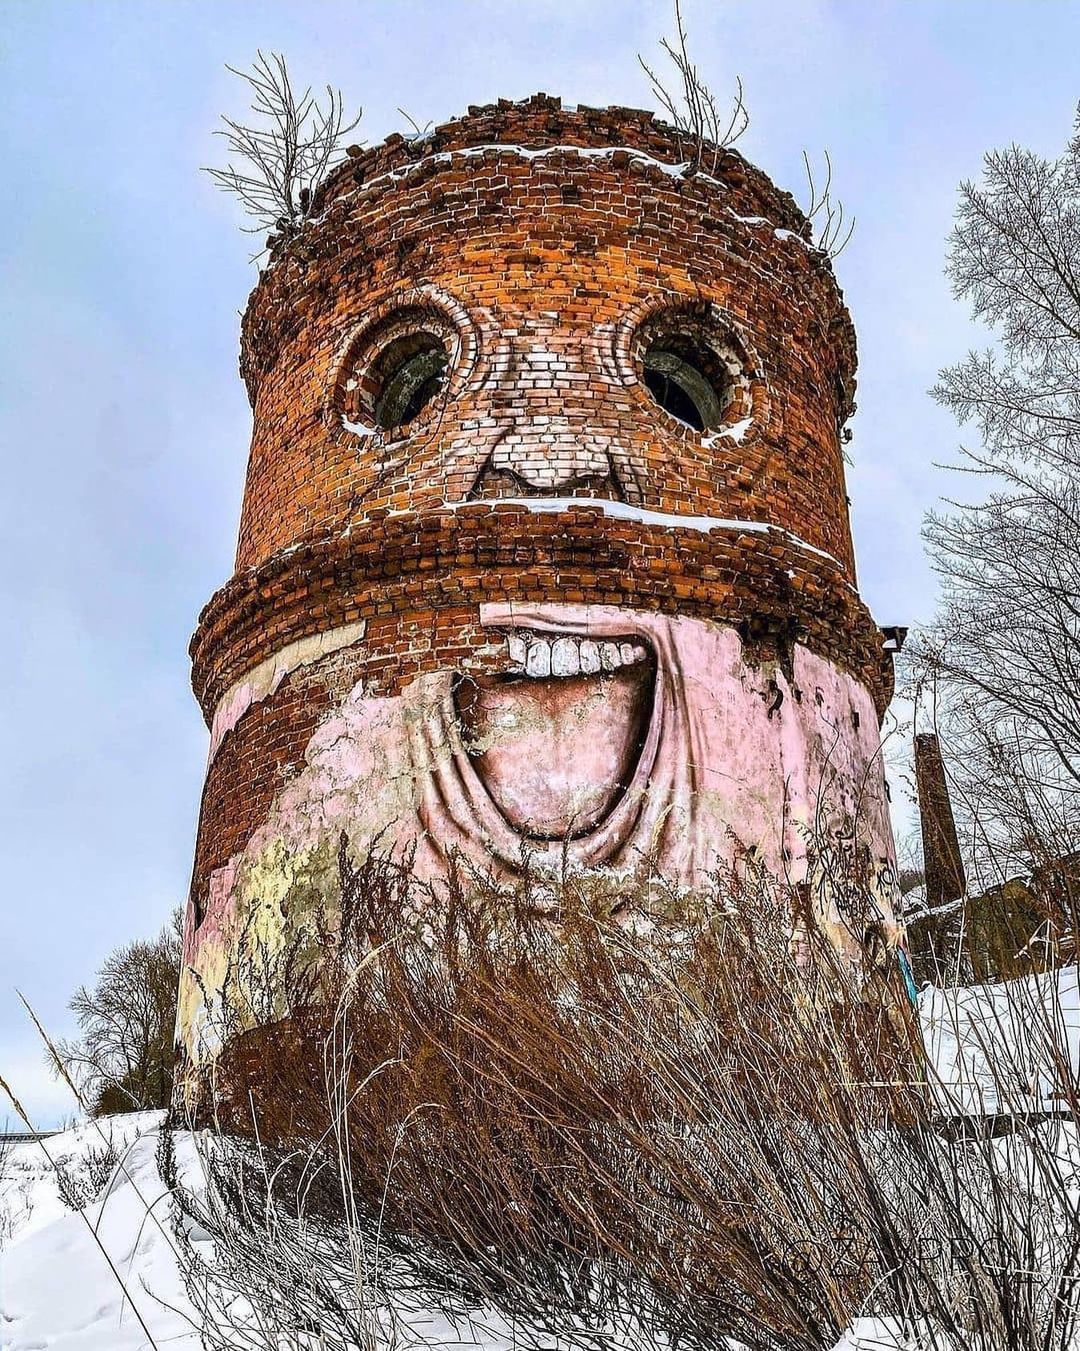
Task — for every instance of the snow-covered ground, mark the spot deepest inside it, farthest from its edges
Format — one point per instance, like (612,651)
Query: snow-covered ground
(57,1290)
(1005,1047)
(58,1293)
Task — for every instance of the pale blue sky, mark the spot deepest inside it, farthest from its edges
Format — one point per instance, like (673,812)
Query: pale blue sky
(124,426)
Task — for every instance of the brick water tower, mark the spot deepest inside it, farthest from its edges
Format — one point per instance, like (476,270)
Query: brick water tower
(544,554)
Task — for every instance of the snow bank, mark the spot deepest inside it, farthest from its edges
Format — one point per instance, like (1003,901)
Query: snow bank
(29,1191)
(1004,1048)
(56,1290)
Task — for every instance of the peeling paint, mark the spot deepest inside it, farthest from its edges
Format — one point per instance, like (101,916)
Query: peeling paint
(264,679)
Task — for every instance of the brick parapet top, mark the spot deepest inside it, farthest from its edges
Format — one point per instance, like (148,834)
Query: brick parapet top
(542,121)
(536,123)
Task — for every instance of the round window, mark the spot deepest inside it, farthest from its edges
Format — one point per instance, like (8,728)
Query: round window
(690,362)
(406,376)
(687,379)
(400,366)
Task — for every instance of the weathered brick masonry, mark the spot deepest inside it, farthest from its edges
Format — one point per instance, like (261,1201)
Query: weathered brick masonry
(566,252)
(544,253)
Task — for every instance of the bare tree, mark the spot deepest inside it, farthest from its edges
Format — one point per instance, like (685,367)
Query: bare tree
(827,212)
(122,1060)
(693,108)
(999,668)
(287,153)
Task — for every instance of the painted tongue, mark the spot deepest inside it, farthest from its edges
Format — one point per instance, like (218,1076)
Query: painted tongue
(556,752)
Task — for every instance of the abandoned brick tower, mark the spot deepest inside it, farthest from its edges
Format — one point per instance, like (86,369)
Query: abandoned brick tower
(544,550)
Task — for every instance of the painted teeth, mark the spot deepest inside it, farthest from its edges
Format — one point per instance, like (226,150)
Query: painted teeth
(564,657)
(538,662)
(589,654)
(540,656)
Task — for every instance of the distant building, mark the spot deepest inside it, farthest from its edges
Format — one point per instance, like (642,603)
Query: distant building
(1020,927)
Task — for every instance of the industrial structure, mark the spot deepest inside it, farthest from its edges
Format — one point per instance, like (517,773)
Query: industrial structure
(544,557)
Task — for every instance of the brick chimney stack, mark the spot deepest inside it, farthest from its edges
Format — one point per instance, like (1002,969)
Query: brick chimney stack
(943,867)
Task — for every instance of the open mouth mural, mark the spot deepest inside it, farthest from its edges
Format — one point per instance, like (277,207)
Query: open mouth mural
(557,738)
(596,737)
(579,749)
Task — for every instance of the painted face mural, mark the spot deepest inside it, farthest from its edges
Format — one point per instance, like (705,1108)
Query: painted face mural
(544,559)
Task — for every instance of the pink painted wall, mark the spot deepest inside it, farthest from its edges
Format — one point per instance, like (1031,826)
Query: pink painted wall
(616,739)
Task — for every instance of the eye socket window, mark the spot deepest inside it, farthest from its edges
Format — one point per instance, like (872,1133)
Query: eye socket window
(687,380)
(402,364)
(407,375)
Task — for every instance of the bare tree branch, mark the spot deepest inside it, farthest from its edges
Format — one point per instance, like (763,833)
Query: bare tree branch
(693,108)
(827,211)
(281,159)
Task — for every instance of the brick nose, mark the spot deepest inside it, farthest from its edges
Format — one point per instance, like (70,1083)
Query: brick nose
(546,455)
(548,443)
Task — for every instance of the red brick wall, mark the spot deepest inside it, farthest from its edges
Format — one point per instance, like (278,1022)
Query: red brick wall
(557,252)
(407,569)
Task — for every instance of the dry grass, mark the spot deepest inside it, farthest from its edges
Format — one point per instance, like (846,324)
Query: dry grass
(599,1107)
(613,1113)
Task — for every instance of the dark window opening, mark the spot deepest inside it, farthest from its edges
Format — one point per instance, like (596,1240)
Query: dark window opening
(687,380)
(408,375)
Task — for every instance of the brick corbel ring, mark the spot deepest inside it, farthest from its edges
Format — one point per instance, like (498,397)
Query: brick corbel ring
(721,332)
(401,313)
